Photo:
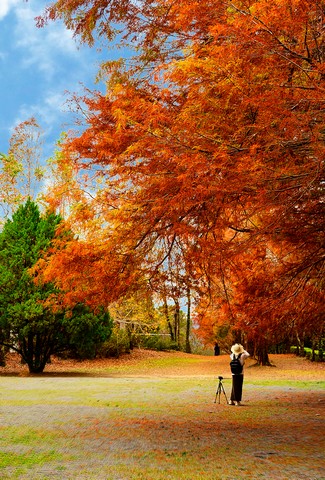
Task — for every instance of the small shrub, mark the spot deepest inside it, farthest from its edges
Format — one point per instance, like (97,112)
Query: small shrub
(156,342)
(117,344)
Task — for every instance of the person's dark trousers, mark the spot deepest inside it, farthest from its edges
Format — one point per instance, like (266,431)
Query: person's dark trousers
(237,387)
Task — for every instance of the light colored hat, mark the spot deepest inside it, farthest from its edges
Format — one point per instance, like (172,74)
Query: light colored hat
(237,349)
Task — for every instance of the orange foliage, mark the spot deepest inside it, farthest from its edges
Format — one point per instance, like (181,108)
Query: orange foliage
(214,137)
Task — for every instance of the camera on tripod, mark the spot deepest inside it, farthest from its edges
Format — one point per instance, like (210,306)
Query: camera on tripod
(220,390)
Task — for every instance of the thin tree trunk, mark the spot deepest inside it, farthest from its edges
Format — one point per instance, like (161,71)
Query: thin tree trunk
(177,323)
(2,349)
(320,349)
(300,346)
(2,356)
(170,327)
(313,355)
(188,323)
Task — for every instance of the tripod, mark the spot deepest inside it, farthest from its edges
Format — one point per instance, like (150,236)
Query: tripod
(220,390)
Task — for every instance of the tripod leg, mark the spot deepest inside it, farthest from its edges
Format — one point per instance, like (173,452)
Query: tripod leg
(217,394)
(223,390)
(217,391)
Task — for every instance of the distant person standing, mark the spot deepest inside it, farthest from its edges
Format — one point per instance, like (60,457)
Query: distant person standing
(216,349)
(238,357)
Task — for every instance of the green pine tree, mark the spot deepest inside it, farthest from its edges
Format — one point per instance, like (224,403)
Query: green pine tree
(27,324)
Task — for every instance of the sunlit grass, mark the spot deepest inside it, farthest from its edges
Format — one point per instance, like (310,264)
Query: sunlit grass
(276,382)
(24,435)
(28,459)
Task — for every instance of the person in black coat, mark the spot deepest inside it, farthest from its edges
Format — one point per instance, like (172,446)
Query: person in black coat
(237,352)
(216,349)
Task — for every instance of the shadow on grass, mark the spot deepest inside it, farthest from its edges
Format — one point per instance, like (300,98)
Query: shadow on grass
(56,374)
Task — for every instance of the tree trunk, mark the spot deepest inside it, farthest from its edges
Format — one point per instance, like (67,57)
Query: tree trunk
(2,356)
(170,327)
(262,355)
(320,350)
(129,330)
(177,322)
(313,355)
(35,352)
(188,323)
(300,347)
(3,349)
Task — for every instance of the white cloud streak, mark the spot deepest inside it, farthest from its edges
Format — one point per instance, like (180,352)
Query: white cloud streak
(5,6)
(41,47)
(53,53)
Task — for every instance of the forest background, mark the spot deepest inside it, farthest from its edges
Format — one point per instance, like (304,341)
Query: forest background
(194,182)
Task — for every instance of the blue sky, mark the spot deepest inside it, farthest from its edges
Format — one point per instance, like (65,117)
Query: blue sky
(38,67)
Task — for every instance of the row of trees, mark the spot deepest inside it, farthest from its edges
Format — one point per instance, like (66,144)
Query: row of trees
(198,174)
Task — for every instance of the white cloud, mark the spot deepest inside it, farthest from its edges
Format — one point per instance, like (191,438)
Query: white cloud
(38,67)
(51,112)
(42,46)
(46,111)
(5,6)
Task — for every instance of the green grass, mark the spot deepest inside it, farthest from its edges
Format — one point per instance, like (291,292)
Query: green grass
(28,459)
(23,448)
(283,383)
(26,435)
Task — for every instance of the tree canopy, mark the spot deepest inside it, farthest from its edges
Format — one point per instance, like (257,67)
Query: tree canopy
(20,170)
(207,148)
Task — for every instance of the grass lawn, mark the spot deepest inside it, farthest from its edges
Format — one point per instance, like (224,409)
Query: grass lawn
(152,416)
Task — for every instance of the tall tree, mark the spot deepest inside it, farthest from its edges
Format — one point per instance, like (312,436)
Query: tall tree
(21,173)
(214,135)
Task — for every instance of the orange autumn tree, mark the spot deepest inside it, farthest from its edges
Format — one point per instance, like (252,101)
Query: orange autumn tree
(256,312)
(213,133)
